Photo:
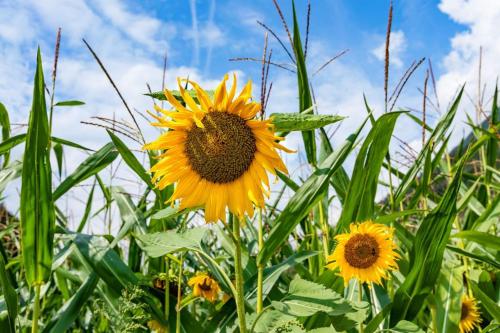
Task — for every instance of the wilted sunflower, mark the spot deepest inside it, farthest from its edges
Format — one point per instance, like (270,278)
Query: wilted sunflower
(204,286)
(216,151)
(365,253)
(470,316)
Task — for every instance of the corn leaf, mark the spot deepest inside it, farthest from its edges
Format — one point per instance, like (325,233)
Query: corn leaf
(37,207)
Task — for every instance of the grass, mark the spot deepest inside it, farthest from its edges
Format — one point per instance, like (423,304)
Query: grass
(443,205)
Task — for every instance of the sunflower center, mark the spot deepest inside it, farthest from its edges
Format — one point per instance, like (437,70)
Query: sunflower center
(464,312)
(205,286)
(223,150)
(361,251)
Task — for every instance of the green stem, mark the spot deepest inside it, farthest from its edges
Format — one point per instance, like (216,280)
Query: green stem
(36,309)
(260,268)
(240,302)
(324,227)
(167,290)
(360,299)
(179,297)
(257,318)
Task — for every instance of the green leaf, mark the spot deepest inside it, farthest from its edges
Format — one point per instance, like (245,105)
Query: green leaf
(408,327)
(9,294)
(91,166)
(482,238)
(159,95)
(486,302)
(305,97)
(427,253)
(449,298)
(130,215)
(360,199)
(58,151)
(37,206)
(10,143)
(5,123)
(288,122)
(437,135)
(161,243)
(67,314)
(273,273)
(69,103)
(306,298)
(130,159)
(305,199)
(475,256)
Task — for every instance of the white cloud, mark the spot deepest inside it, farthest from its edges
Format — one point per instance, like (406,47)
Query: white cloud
(397,47)
(481,18)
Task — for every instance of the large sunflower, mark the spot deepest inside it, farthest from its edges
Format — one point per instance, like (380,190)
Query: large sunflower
(470,316)
(204,286)
(365,253)
(216,151)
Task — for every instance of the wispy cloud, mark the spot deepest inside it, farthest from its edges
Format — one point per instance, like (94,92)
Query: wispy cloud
(397,47)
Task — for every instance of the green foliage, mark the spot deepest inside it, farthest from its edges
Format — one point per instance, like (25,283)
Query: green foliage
(444,206)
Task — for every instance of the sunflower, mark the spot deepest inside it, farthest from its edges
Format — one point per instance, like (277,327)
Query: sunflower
(470,316)
(365,253)
(204,286)
(216,150)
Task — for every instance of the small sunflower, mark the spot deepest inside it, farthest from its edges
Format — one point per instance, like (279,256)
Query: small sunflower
(470,316)
(365,253)
(204,286)
(216,151)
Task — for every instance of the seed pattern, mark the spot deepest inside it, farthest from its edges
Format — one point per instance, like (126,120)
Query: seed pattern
(361,251)
(223,150)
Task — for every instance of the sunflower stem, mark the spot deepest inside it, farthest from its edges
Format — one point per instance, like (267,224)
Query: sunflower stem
(179,297)
(260,268)
(360,299)
(240,302)
(324,227)
(36,309)
(167,290)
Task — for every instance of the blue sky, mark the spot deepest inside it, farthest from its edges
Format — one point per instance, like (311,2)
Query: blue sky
(199,37)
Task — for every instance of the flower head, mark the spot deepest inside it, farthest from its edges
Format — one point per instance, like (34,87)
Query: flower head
(365,253)
(470,316)
(216,150)
(204,286)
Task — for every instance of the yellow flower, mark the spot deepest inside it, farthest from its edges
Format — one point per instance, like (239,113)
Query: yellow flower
(216,151)
(365,253)
(204,286)
(470,316)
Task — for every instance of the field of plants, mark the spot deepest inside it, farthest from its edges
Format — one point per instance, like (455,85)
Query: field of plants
(224,239)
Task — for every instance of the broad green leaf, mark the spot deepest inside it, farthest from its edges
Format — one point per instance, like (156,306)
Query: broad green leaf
(475,256)
(69,103)
(408,327)
(37,206)
(306,298)
(288,122)
(482,238)
(449,297)
(427,253)
(268,321)
(10,296)
(307,196)
(161,243)
(91,166)
(360,199)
